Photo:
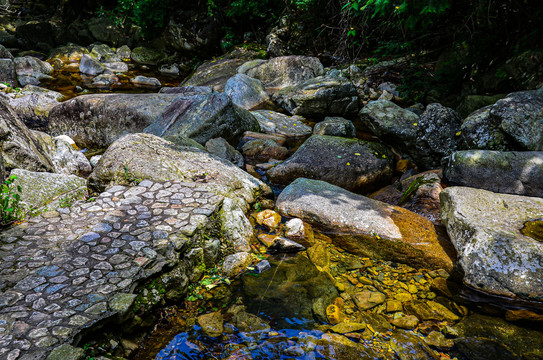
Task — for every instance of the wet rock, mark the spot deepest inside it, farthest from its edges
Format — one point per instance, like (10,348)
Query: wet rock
(143,81)
(418,193)
(138,154)
(319,97)
(365,300)
(40,188)
(4,53)
(353,164)
(103,81)
(294,228)
(482,337)
(169,70)
(215,73)
(223,149)
(19,147)
(280,72)
(408,322)
(264,150)
(335,346)
(344,328)
(367,227)
(519,172)
(124,52)
(335,126)
(318,254)
(66,159)
(408,346)
(212,324)
(247,92)
(494,253)
(236,263)
(283,245)
(147,56)
(272,122)
(430,310)
(104,54)
(293,287)
(438,341)
(91,66)
(269,218)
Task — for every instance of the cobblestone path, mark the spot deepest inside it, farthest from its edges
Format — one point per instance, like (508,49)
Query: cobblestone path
(65,270)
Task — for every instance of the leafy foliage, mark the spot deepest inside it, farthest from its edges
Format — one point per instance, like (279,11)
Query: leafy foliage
(149,15)
(10,197)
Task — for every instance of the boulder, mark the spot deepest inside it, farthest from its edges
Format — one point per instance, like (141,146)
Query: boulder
(188,90)
(235,227)
(5,53)
(236,263)
(367,227)
(272,122)
(498,240)
(438,135)
(204,117)
(482,131)
(520,117)
(224,150)
(145,156)
(511,172)
(215,73)
(335,126)
(104,30)
(124,52)
(319,97)
(211,324)
(66,159)
(18,146)
(147,56)
(352,164)
(104,54)
(95,121)
(247,92)
(280,72)
(169,70)
(29,66)
(41,188)
(91,66)
(7,72)
(263,150)
(425,139)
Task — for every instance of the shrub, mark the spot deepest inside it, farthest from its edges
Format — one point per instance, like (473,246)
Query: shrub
(10,197)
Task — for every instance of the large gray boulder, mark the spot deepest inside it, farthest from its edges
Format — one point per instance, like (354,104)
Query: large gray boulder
(425,139)
(90,66)
(352,164)
(18,146)
(247,92)
(39,189)
(204,117)
(272,122)
(498,240)
(367,227)
(29,66)
(95,121)
(146,156)
(514,172)
(283,71)
(335,126)
(482,131)
(319,97)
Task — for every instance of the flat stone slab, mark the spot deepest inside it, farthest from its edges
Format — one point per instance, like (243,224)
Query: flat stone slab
(65,270)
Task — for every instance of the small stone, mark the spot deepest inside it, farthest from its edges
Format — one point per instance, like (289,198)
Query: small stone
(403,297)
(67,352)
(408,322)
(438,341)
(365,300)
(236,263)
(344,328)
(212,324)
(269,218)
(295,228)
(394,305)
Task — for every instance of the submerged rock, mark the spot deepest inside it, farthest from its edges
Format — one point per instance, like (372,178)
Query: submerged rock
(514,172)
(212,323)
(353,164)
(367,227)
(494,253)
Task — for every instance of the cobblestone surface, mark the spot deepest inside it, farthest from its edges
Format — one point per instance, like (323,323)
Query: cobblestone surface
(65,270)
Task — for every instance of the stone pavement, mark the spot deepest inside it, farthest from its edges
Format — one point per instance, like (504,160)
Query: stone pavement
(65,270)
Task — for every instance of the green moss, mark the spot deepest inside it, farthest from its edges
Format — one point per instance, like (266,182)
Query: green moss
(533,229)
